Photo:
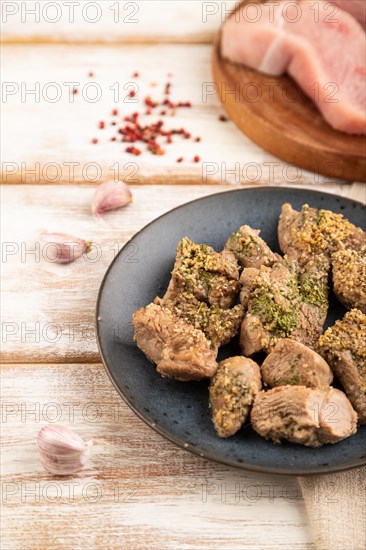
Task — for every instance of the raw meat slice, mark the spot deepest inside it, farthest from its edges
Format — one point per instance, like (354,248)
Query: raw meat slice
(357,8)
(325,58)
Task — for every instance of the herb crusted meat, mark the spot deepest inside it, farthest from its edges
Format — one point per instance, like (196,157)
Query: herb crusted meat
(210,276)
(349,278)
(344,347)
(282,310)
(250,249)
(303,235)
(283,301)
(219,325)
(232,390)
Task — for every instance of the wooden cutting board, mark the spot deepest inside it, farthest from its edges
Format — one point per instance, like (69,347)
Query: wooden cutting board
(275,114)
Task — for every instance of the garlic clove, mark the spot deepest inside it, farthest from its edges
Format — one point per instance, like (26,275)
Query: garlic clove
(61,450)
(111,195)
(61,248)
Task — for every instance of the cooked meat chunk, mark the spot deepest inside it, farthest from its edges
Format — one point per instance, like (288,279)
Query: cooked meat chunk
(219,325)
(273,306)
(344,347)
(249,249)
(232,390)
(211,276)
(179,350)
(349,278)
(248,281)
(313,288)
(303,235)
(283,301)
(309,416)
(292,363)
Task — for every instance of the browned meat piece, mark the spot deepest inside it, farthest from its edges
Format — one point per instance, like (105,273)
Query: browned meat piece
(179,350)
(344,347)
(219,325)
(248,281)
(292,363)
(211,276)
(303,235)
(313,288)
(232,390)
(249,249)
(349,278)
(283,301)
(309,416)
(273,308)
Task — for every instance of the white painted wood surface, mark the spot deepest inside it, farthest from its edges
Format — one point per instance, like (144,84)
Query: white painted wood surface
(52,142)
(140,490)
(107,21)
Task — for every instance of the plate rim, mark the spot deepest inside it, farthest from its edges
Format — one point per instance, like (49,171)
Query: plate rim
(156,427)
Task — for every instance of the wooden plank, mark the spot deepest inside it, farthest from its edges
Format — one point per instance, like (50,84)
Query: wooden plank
(139,491)
(51,142)
(48,309)
(108,21)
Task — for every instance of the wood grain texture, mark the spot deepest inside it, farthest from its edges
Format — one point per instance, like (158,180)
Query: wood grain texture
(139,491)
(48,310)
(139,21)
(276,115)
(51,142)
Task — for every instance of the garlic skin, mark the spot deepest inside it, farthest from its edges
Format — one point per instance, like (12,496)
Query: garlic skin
(61,450)
(66,248)
(110,195)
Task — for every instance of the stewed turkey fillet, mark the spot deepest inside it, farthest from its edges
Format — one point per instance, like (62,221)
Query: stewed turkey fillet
(250,249)
(309,416)
(292,363)
(283,301)
(311,232)
(212,277)
(349,278)
(232,391)
(344,347)
(179,350)
(326,58)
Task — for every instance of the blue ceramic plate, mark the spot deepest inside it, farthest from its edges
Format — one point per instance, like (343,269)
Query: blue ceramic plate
(179,411)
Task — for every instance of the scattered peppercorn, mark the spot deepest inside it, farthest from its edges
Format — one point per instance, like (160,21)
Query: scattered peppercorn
(133,131)
(197,158)
(133,151)
(95,141)
(91,74)
(75,91)
(223,118)
(136,74)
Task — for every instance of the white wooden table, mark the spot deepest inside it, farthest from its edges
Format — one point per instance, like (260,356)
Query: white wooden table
(140,490)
